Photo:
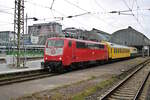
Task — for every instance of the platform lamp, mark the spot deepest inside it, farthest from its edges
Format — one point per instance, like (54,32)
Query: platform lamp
(26,19)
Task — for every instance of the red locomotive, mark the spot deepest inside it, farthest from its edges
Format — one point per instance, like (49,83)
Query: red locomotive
(62,53)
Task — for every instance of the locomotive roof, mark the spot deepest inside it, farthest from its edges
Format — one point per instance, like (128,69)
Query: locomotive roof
(77,40)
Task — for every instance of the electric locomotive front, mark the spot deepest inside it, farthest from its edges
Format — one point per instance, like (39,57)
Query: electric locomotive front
(53,53)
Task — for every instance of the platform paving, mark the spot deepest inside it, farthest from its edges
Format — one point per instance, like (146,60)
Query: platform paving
(30,65)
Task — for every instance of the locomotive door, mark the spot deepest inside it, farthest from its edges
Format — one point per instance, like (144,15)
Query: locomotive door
(73,51)
(70,50)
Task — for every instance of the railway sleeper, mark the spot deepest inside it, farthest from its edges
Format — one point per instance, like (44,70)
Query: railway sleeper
(112,99)
(126,92)
(121,97)
(127,89)
(124,95)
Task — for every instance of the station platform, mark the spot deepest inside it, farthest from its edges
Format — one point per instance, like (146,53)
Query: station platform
(30,65)
(28,57)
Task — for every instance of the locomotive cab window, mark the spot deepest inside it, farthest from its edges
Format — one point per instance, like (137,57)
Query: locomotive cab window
(55,43)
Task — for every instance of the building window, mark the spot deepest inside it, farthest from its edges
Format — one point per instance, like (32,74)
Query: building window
(39,27)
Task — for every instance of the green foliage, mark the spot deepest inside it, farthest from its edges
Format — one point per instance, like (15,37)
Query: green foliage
(27,53)
(91,90)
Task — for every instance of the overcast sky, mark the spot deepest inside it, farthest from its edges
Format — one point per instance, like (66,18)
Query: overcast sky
(98,18)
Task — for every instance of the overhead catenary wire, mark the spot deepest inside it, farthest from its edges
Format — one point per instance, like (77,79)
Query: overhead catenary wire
(106,12)
(43,6)
(75,5)
(52,4)
(93,14)
(133,15)
(7,7)
(138,7)
(56,18)
(133,4)
(6,12)
(64,16)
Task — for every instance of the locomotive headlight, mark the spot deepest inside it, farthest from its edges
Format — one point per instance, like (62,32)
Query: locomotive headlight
(46,58)
(60,58)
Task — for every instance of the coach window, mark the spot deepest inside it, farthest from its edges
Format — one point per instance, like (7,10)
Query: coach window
(114,50)
(70,44)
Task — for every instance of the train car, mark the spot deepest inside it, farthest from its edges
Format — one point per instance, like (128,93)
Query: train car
(133,52)
(61,53)
(116,51)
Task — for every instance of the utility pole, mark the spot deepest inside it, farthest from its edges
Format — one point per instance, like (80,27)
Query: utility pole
(19,25)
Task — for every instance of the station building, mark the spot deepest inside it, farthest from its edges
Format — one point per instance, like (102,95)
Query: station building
(44,31)
(94,34)
(130,37)
(7,38)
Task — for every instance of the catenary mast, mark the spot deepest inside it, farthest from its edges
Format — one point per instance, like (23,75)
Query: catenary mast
(19,25)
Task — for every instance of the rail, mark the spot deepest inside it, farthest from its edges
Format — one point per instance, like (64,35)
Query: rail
(111,93)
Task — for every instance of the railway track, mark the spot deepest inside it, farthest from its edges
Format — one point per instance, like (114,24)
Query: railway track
(131,87)
(23,76)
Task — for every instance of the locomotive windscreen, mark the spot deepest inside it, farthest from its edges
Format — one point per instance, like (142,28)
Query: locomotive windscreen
(55,43)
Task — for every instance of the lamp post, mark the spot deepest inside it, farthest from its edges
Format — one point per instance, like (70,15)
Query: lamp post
(26,20)
(34,19)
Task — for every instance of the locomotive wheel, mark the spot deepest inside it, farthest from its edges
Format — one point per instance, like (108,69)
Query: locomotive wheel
(60,69)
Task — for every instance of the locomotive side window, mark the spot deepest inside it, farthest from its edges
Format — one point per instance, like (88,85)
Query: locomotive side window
(80,45)
(70,44)
(95,46)
(101,46)
(90,45)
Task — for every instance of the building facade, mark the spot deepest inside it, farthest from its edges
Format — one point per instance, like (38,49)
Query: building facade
(94,34)
(44,31)
(45,28)
(7,37)
(75,33)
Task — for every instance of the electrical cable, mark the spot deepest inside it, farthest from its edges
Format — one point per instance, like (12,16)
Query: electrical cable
(134,15)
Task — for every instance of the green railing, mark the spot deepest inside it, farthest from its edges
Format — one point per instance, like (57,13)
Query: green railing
(27,53)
